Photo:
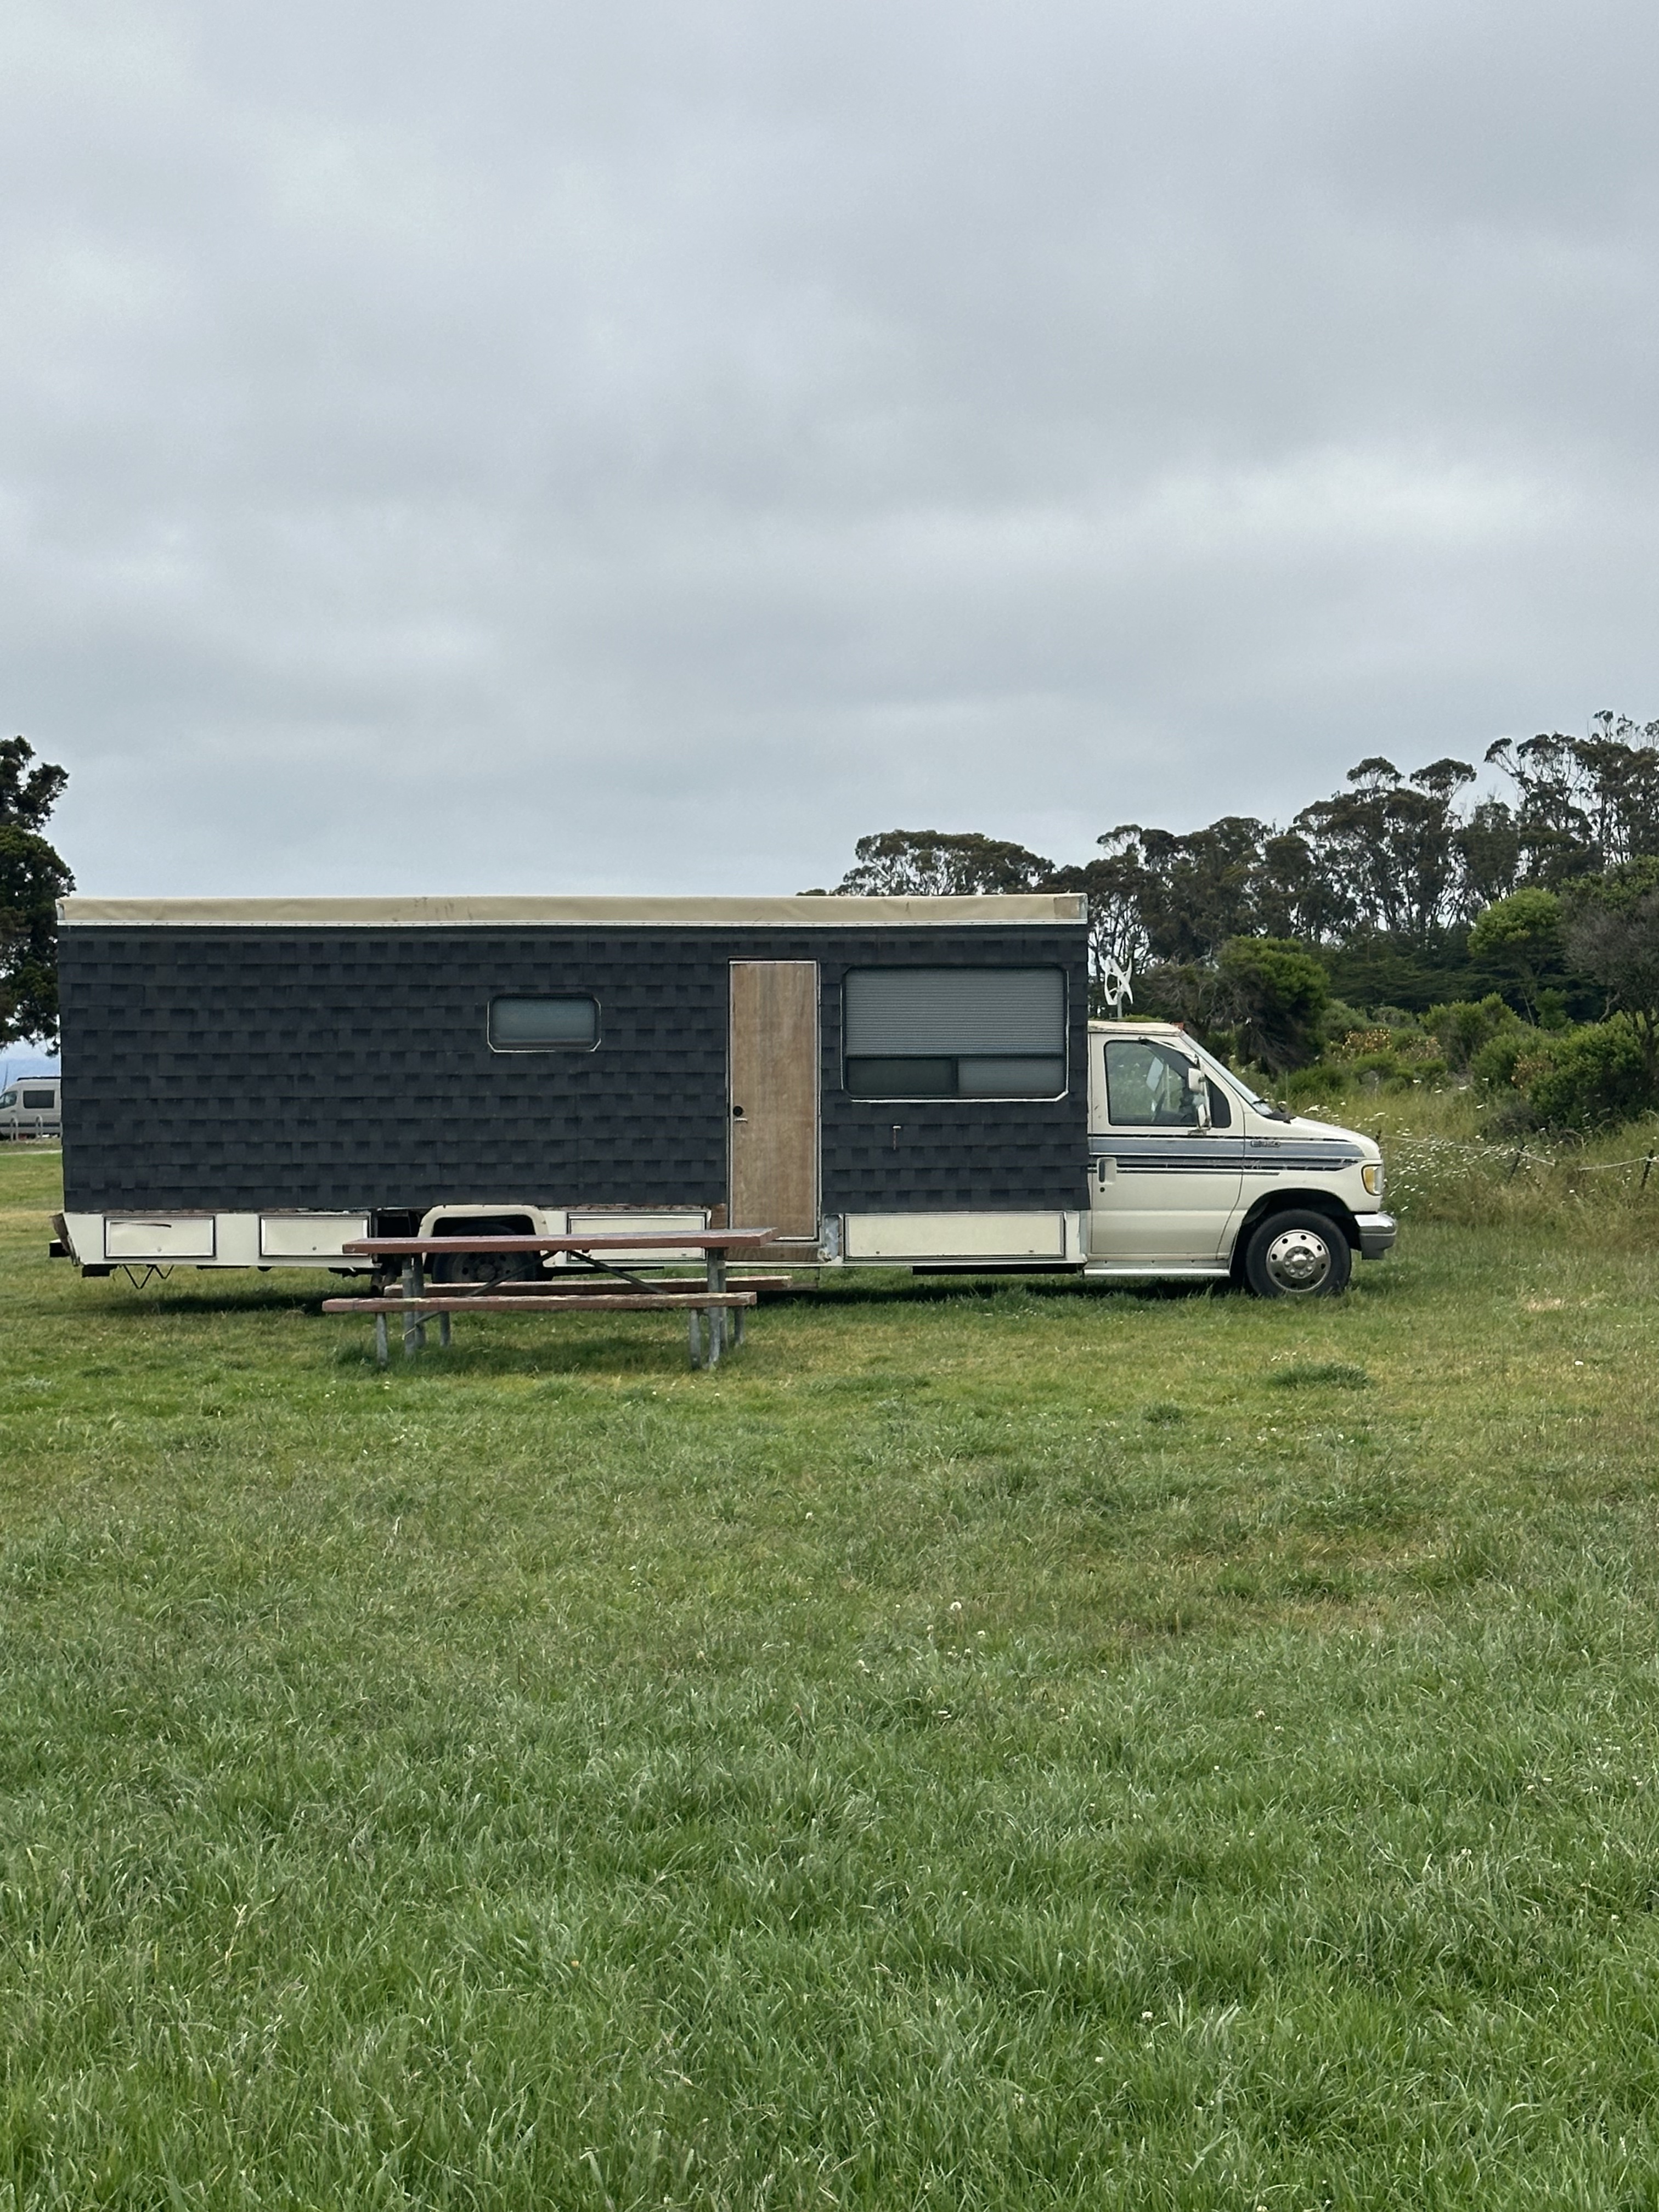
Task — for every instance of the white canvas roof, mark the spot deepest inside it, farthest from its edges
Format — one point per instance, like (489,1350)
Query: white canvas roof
(495,912)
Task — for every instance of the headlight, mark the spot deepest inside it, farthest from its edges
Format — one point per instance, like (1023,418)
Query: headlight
(1371,1175)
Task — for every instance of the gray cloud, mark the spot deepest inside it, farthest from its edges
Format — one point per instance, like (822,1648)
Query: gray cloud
(644,448)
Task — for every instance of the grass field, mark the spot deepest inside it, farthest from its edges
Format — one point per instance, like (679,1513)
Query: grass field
(996,1749)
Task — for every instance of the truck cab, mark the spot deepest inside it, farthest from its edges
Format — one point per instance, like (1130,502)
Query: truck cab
(1192,1173)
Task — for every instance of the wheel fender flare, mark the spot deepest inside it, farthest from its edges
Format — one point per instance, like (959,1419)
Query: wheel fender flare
(1287,1201)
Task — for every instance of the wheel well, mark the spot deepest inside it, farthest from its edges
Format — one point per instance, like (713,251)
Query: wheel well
(1293,1201)
(462,1223)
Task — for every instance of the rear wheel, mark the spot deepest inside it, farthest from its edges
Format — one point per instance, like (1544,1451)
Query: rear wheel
(1298,1256)
(485,1268)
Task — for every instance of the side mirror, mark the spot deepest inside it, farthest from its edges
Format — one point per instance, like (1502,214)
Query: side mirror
(1197,1089)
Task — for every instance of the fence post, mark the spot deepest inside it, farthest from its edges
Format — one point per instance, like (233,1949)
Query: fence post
(1647,1169)
(1515,1164)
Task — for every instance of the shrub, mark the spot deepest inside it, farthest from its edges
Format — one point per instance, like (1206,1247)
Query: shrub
(1363,1044)
(1521,935)
(1303,1085)
(1409,1063)
(1415,1051)
(1412,1068)
(1588,1078)
(1262,999)
(1493,1066)
(1276,994)
(1464,1028)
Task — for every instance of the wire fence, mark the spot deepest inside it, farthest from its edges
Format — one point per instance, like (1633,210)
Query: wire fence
(1426,1169)
(1523,1151)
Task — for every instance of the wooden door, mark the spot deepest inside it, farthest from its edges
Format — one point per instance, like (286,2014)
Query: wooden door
(775,1097)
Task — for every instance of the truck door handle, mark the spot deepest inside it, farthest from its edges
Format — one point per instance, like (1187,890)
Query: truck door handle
(737,1112)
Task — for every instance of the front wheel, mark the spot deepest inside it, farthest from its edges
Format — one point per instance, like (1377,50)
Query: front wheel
(1298,1256)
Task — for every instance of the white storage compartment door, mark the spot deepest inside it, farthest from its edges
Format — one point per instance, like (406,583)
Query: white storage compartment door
(308,1235)
(158,1237)
(955,1236)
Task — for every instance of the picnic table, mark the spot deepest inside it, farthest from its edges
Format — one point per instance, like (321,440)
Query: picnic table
(594,1279)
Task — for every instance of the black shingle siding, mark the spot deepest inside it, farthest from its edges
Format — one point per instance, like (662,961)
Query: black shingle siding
(238,1069)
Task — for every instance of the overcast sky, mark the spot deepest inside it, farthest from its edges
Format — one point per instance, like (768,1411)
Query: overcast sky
(628,446)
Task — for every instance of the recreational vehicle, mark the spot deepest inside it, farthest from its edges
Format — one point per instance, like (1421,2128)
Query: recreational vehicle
(884,1082)
(30,1107)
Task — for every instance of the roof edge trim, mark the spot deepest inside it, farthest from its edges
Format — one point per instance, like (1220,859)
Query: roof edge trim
(991,909)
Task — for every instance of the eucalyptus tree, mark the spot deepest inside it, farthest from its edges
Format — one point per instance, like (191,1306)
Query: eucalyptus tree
(32,879)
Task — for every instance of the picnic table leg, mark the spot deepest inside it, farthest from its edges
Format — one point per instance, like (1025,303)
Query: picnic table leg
(738,1316)
(414,1334)
(716,1263)
(443,1330)
(695,1320)
(382,1354)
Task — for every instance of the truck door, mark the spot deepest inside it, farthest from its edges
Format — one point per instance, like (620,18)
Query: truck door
(1163,1186)
(773,1099)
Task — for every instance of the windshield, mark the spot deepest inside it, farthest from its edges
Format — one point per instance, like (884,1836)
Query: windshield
(1264,1106)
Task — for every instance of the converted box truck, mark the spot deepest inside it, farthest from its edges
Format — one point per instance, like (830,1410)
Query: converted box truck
(885,1082)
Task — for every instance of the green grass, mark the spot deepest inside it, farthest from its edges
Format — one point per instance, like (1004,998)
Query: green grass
(981,1747)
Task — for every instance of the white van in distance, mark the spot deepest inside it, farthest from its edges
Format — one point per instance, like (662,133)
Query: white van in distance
(32,1106)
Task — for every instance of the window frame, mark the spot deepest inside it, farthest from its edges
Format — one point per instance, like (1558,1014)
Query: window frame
(518,1051)
(957,1098)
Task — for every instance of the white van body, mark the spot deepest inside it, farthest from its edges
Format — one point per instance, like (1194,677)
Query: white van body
(32,1106)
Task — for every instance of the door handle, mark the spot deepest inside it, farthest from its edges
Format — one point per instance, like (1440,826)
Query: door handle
(737,1112)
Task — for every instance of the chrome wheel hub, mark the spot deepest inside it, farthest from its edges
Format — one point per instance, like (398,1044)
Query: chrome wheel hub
(1298,1261)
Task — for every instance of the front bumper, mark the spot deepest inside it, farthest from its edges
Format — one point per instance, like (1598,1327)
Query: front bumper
(1377,1234)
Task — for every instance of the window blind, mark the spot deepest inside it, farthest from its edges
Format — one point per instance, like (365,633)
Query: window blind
(906,1012)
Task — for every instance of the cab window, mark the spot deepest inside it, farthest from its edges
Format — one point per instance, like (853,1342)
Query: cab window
(1146,1085)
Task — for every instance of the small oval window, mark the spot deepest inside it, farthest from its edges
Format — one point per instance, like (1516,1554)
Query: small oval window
(544,1025)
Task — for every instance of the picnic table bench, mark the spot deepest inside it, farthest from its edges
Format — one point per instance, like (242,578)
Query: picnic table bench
(594,1280)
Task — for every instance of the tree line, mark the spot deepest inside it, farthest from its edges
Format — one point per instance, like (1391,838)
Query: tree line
(1405,858)
(1384,877)
(1401,895)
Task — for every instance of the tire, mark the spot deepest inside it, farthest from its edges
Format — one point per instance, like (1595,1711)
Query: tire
(483,1267)
(1300,1255)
